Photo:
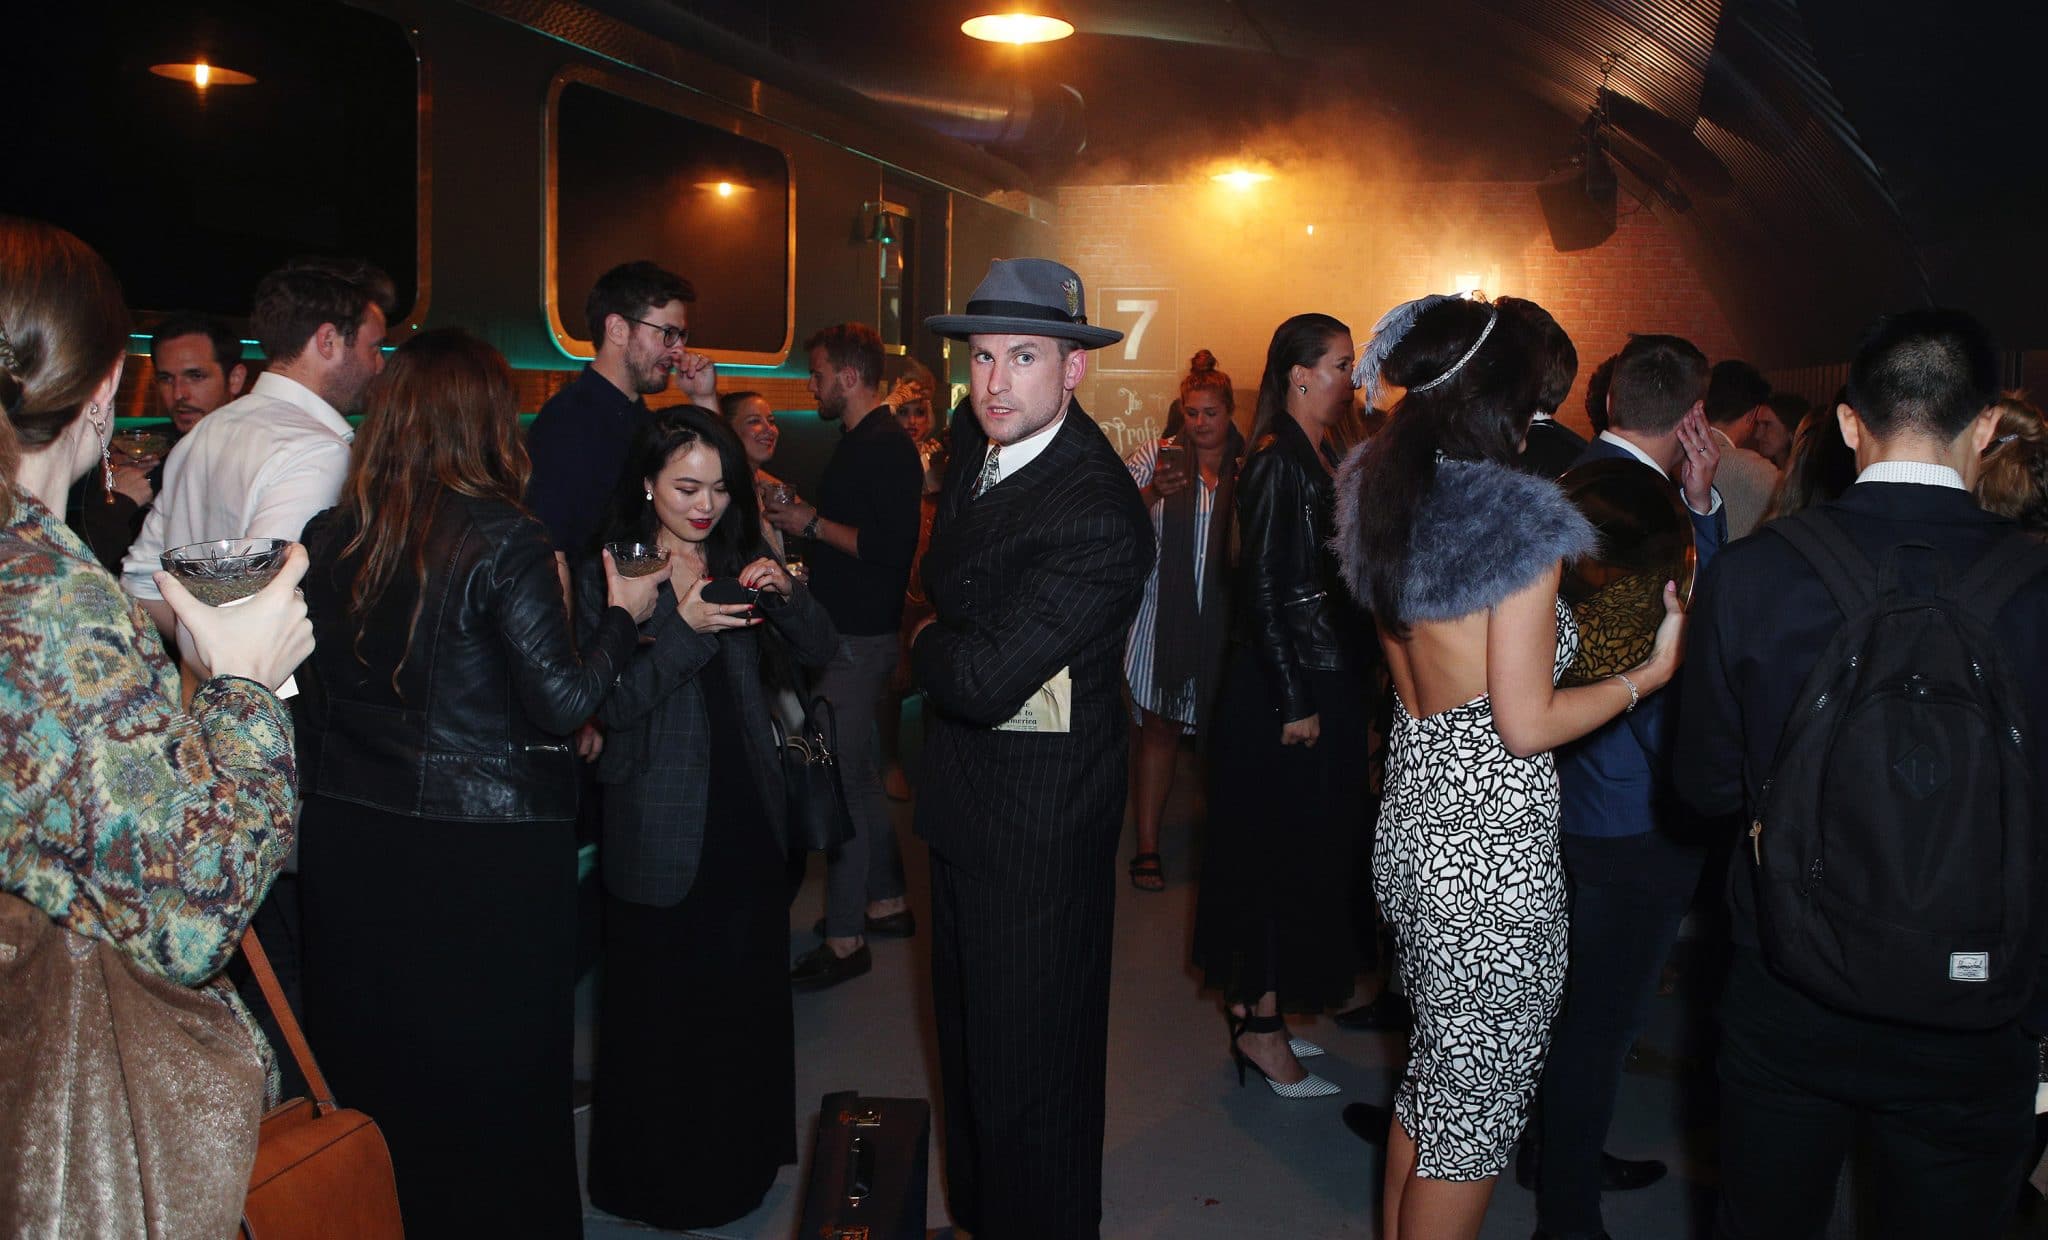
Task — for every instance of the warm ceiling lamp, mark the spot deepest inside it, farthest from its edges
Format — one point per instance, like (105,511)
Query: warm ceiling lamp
(1241,178)
(725,189)
(1017,27)
(203,75)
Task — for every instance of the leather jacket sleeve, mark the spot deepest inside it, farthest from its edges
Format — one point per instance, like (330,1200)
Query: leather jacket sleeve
(1269,518)
(557,689)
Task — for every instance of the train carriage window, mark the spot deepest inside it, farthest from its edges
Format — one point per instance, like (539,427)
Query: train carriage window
(198,145)
(634,181)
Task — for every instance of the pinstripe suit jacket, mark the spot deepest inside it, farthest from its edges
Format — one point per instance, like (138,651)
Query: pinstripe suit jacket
(1042,572)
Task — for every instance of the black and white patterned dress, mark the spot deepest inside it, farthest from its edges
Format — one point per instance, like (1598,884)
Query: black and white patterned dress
(1467,871)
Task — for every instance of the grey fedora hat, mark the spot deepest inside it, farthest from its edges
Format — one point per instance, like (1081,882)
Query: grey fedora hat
(1026,297)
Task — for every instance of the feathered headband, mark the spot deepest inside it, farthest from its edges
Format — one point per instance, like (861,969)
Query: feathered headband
(1387,333)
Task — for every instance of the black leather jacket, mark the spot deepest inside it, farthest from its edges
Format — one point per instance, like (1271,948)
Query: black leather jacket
(476,727)
(1289,605)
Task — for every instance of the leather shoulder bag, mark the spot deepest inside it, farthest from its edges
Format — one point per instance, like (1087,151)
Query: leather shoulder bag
(321,1170)
(819,820)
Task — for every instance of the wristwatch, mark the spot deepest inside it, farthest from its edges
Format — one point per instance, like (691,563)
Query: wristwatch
(810,529)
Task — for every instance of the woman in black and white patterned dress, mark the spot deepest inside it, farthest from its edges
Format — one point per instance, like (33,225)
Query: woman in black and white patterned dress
(1459,556)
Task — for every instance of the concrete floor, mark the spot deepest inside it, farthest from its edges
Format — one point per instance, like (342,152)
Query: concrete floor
(1190,1155)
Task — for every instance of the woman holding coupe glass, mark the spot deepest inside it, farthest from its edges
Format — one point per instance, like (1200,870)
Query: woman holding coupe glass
(439,851)
(125,818)
(695,1104)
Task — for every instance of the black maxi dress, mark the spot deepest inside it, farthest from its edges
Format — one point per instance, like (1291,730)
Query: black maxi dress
(695,1100)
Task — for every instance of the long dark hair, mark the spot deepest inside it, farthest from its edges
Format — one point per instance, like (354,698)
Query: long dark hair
(1477,414)
(1300,341)
(443,417)
(736,540)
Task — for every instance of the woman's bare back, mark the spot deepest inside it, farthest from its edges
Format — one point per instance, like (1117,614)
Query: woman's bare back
(1440,664)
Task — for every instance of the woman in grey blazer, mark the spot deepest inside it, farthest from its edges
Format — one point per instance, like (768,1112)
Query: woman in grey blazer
(695,1103)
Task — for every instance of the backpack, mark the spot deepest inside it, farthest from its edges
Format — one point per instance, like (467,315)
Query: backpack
(1894,845)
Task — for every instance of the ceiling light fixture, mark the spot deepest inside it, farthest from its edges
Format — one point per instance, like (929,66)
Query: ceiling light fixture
(1017,28)
(725,189)
(1241,178)
(201,74)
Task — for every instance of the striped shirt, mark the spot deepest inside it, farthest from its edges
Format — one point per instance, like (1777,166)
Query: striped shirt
(1138,651)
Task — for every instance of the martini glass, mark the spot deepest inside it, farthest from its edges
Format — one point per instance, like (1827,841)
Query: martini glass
(224,571)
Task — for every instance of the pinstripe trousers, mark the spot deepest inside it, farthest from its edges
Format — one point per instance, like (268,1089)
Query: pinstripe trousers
(1020,986)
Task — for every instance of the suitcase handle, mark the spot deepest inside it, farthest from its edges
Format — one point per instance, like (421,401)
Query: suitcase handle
(860,1160)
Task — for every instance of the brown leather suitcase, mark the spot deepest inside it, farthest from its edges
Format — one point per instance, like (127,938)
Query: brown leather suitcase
(321,1171)
(869,1169)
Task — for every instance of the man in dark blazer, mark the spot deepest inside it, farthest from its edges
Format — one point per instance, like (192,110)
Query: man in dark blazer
(1038,556)
(1630,866)
(1945,1116)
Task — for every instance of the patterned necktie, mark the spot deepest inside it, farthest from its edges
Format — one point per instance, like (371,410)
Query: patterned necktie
(990,471)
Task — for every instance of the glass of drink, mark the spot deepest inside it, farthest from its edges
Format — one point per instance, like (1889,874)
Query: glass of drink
(781,495)
(139,447)
(224,571)
(637,559)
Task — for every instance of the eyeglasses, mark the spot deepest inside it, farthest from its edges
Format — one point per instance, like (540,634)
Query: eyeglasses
(671,335)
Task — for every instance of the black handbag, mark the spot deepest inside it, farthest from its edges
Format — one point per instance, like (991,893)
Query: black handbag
(816,796)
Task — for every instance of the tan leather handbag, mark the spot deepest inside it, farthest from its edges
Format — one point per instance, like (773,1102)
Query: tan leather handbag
(321,1171)
(128,1103)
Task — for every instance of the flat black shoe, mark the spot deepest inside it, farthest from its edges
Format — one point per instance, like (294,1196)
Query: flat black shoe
(821,967)
(1621,1175)
(1617,1175)
(1369,1123)
(1386,1013)
(898,925)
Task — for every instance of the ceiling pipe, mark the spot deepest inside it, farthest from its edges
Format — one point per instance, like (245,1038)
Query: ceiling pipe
(1046,122)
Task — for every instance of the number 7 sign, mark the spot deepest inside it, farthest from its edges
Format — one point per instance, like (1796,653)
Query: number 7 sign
(1149,318)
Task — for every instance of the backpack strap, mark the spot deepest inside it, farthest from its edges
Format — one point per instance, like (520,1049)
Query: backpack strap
(1991,582)
(1843,568)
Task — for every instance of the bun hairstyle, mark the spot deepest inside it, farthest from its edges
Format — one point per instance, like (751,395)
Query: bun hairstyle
(2014,479)
(63,326)
(1472,375)
(1203,376)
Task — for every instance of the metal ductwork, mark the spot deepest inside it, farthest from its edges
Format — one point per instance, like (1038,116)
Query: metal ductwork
(1046,122)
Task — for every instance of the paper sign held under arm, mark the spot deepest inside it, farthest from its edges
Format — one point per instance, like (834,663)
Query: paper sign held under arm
(1050,709)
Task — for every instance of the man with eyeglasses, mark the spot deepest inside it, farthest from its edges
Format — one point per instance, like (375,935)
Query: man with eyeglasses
(639,316)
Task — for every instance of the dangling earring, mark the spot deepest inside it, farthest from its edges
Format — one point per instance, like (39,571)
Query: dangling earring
(92,413)
(650,497)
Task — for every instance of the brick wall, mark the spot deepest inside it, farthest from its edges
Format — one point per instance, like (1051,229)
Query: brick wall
(1240,262)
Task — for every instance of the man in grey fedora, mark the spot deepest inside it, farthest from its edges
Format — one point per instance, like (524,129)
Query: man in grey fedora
(1038,556)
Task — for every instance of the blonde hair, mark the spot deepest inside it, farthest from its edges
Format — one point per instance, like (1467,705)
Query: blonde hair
(64,325)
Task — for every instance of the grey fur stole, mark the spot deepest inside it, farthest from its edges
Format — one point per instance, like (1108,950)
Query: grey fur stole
(1483,532)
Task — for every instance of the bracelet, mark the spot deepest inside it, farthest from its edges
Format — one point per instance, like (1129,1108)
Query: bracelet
(810,529)
(1633,697)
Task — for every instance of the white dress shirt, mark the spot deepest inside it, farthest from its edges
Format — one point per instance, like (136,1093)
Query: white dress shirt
(1925,473)
(1644,457)
(257,467)
(1015,456)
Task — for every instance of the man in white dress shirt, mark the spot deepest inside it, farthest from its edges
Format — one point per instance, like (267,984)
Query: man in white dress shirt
(261,466)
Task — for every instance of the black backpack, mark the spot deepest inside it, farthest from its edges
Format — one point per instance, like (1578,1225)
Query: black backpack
(1895,843)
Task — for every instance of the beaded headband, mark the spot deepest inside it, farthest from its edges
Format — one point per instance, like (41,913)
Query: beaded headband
(1388,332)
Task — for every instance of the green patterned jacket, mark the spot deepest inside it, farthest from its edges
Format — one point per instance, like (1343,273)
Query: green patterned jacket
(121,816)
